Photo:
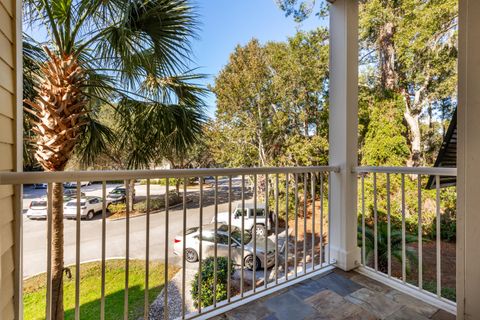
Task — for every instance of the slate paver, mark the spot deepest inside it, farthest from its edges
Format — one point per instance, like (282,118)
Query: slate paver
(287,307)
(331,305)
(339,284)
(416,305)
(405,313)
(370,283)
(251,311)
(307,288)
(374,302)
(443,315)
(334,296)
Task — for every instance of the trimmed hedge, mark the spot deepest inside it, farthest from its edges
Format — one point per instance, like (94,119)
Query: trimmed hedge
(206,294)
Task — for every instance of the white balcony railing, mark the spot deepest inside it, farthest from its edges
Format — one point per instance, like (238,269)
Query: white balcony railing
(395,178)
(301,246)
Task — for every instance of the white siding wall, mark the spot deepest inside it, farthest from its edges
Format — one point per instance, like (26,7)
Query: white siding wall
(7,155)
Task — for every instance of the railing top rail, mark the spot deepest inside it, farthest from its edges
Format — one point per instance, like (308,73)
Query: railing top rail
(433,171)
(110,175)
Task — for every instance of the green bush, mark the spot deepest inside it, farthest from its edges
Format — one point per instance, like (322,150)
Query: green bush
(117,207)
(159,202)
(206,293)
(171,181)
(161,182)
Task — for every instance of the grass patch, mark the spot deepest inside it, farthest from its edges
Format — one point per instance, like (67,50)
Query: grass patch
(90,286)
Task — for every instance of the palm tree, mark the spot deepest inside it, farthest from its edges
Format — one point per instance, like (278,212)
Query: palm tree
(382,246)
(131,55)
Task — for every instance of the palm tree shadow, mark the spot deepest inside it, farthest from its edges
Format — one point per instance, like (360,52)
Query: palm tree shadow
(114,304)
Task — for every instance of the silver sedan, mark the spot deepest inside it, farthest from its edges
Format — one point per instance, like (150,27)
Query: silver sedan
(209,241)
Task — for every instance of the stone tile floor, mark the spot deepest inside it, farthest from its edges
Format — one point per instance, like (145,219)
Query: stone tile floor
(337,295)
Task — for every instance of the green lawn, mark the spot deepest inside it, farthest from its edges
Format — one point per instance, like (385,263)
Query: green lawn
(90,282)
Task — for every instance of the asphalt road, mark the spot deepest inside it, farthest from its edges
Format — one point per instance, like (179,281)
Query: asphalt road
(34,232)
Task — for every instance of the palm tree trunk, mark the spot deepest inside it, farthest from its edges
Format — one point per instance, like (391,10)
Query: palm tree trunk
(57,252)
(58,116)
(131,194)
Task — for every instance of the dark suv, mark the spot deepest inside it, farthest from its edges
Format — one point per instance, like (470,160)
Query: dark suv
(117,195)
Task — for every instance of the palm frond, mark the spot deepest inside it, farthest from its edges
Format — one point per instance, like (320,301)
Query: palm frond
(94,141)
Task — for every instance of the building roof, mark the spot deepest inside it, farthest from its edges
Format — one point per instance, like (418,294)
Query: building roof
(447,156)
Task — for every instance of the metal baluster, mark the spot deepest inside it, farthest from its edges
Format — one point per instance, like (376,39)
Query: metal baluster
(321,220)
(165,288)
(266,232)
(254,230)
(48,311)
(375,217)
(229,236)
(420,245)
(404,253)
(147,254)
(215,252)
(276,228)
(200,204)
(184,241)
(295,262)
(364,260)
(389,230)
(286,227)
(104,230)
(304,223)
(242,237)
(438,240)
(127,248)
(77,254)
(329,213)
(312,176)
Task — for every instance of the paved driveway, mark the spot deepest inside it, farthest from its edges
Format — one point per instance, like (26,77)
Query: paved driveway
(34,235)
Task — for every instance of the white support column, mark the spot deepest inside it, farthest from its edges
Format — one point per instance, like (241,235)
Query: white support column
(468,162)
(343,138)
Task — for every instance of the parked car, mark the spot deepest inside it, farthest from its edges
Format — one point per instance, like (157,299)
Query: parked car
(72,193)
(119,194)
(221,240)
(40,186)
(89,206)
(74,184)
(38,208)
(263,221)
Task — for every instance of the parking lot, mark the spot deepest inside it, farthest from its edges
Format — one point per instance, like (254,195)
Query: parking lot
(34,231)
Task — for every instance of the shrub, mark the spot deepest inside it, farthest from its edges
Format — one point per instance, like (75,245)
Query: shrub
(447,292)
(382,246)
(206,294)
(159,202)
(117,207)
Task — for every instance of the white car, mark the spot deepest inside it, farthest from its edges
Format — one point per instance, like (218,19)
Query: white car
(89,206)
(263,221)
(192,247)
(38,208)
(74,184)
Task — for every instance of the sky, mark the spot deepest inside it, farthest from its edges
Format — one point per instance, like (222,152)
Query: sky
(226,23)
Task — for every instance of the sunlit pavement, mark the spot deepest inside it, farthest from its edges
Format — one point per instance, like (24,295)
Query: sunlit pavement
(35,237)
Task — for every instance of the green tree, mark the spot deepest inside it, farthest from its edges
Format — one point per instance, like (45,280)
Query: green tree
(271,103)
(412,45)
(385,143)
(132,55)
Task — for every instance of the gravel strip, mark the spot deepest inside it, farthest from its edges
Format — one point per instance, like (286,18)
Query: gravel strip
(174,298)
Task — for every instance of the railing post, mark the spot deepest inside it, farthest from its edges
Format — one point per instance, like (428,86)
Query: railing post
(468,153)
(343,138)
